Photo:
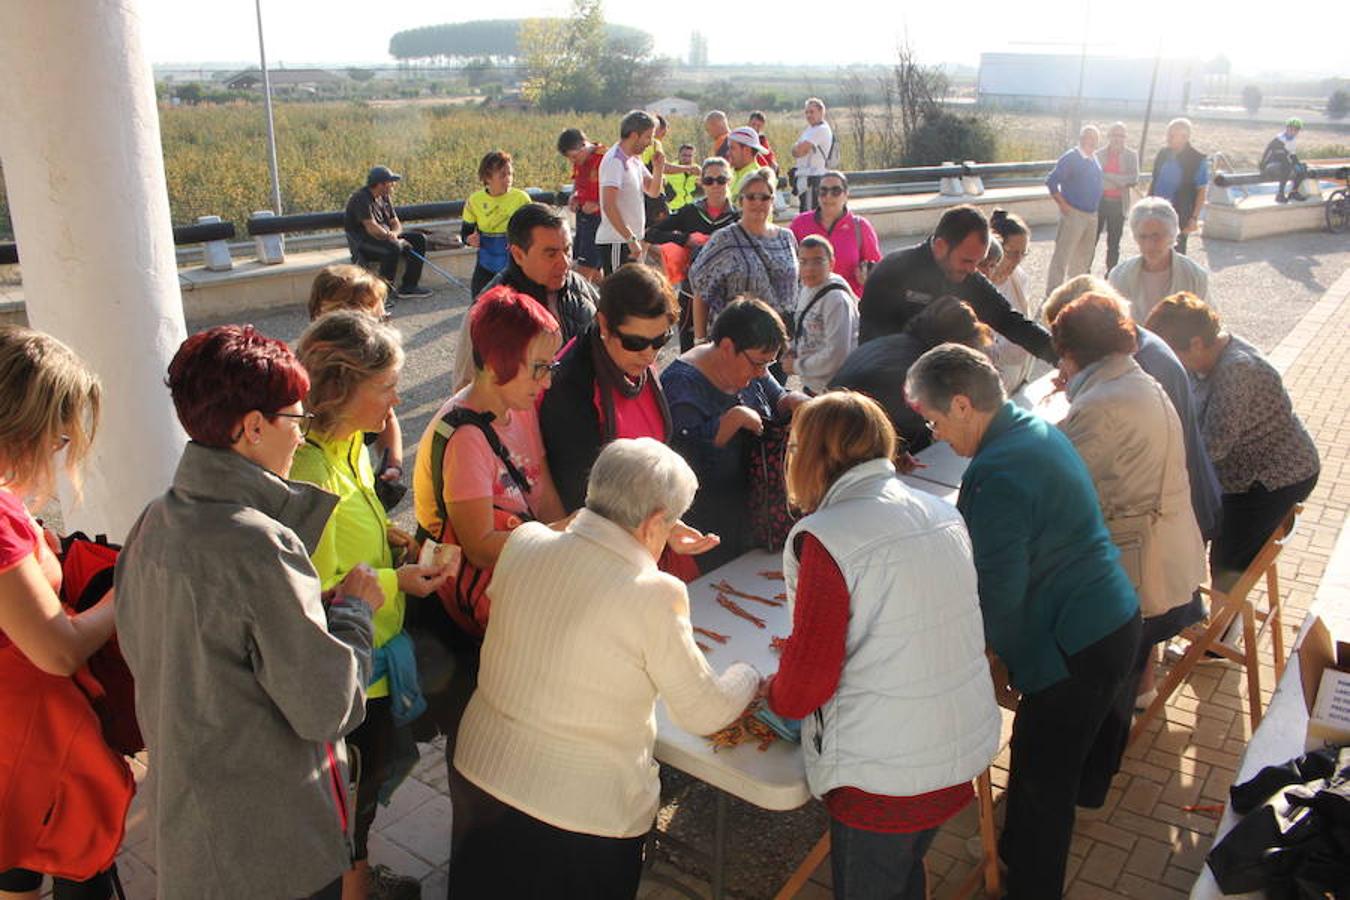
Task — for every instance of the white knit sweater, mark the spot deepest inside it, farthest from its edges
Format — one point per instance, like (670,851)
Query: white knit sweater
(585,632)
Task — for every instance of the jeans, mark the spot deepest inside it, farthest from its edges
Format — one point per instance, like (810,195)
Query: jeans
(1067,743)
(1111,217)
(869,865)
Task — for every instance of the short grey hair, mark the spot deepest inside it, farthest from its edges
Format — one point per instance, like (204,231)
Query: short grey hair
(1183,123)
(951,369)
(714,114)
(1116,126)
(635,477)
(1090,129)
(1153,208)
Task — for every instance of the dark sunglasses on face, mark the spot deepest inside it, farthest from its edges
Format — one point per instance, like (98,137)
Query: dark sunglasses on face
(831,191)
(720,179)
(761,198)
(634,343)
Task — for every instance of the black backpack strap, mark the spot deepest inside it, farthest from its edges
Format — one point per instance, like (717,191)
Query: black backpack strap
(445,426)
(801,316)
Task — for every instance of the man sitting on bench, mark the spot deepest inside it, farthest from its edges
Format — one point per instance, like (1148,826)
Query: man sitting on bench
(1281,161)
(375,234)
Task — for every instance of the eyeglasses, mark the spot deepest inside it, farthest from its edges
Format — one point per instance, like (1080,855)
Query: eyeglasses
(541,370)
(635,343)
(719,179)
(304,421)
(760,365)
(760,198)
(832,191)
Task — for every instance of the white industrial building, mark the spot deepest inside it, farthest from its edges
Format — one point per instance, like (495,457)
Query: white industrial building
(1050,81)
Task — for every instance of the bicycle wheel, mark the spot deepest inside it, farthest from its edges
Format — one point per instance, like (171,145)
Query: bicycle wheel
(1338,211)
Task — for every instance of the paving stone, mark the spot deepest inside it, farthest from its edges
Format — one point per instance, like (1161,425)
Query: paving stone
(1149,858)
(1103,865)
(425,832)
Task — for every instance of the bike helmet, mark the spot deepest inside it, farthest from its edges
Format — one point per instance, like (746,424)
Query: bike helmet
(1294,122)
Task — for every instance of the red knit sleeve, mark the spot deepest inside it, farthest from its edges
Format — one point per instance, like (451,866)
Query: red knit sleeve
(814,655)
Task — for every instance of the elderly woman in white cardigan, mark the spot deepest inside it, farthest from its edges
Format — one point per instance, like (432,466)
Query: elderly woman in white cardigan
(1159,270)
(1129,435)
(585,634)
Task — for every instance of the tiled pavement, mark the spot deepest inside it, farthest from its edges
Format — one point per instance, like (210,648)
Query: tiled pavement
(1151,838)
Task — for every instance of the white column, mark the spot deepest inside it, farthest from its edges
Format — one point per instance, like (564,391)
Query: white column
(85,178)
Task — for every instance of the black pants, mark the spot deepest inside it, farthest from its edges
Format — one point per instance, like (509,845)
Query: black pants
(375,739)
(1248,519)
(100,887)
(614,255)
(386,255)
(481,277)
(1111,217)
(1067,743)
(1287,172)
(1181,240)
(809,199)
(517,856)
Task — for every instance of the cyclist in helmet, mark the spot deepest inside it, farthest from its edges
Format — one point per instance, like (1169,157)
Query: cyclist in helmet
(1279,161)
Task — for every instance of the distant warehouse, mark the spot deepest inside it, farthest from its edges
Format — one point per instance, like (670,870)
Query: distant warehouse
(1046,81)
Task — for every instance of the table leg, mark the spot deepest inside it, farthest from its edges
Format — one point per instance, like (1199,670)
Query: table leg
(719,846)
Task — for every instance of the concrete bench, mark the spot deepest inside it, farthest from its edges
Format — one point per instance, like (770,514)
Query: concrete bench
(1258,216)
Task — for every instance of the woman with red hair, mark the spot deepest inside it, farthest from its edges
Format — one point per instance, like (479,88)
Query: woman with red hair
(481,471)
(246,678)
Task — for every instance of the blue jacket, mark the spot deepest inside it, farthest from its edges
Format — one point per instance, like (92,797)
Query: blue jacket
(1078,179)
(1049,576)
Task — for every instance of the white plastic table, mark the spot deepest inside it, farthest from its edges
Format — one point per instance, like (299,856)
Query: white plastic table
(774,779)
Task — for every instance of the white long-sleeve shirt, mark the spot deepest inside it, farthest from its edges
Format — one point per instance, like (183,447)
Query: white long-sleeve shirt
(826,334)
(585,633)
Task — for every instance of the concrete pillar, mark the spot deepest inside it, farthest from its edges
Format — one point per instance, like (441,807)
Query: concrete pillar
(85,177)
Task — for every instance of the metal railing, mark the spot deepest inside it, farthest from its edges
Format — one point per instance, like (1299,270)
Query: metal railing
(1234,179)
(182,235)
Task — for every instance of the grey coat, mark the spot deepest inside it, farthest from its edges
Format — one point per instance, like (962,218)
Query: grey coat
(1126,178)
(243,681)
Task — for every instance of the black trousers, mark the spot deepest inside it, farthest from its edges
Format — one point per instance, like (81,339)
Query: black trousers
(809,199)
(375,739)
(1287,172)
(515,855)
(612,256)
(386,255)
(481,277)
(1067,743)
(1248,519)
(1111,217)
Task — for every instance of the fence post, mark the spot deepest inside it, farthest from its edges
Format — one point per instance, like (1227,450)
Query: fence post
(270,248)
(950,186)
(216,254)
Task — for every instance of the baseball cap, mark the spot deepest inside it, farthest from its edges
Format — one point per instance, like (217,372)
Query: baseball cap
(747,136)
(381,174)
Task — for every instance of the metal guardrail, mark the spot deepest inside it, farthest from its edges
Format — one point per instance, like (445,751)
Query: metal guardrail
(1225,179)
(182,234)
(332,221)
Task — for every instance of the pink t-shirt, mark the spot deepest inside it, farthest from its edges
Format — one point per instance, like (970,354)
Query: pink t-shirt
(849,234)
(472,471)
(636,417)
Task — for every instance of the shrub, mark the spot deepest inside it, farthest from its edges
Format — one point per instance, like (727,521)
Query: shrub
(1251,99)
(1338,104)
(947,136)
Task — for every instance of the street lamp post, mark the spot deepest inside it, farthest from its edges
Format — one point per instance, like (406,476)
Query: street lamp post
(271,123)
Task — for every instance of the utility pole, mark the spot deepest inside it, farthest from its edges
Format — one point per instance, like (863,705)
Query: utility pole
(1148,108)
(271,123)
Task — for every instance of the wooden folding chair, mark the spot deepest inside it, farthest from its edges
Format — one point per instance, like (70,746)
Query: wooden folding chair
(1225,609)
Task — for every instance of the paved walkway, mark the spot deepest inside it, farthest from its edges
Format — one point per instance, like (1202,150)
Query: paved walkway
(1151,838)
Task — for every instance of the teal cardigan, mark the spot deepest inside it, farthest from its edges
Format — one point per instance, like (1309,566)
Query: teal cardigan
(1050,578)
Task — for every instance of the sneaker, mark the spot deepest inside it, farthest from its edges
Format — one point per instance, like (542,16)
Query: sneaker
(414,293)
(385,884)
(1298,196)
(1281,198)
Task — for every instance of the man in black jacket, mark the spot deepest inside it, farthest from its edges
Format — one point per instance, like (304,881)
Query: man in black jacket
(540,245)
(908,280)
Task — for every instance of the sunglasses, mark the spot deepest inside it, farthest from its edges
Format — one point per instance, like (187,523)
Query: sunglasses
(761,198)
(541,370)
(832,191)
(635,343)
(720,179)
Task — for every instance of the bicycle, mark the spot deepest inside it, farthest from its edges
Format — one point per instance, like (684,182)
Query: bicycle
(1338,205)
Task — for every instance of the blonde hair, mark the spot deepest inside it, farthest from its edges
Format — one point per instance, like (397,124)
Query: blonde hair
(1074,288)
(345,286)
(341,351)
(764,174)
(48,394)
(831,434)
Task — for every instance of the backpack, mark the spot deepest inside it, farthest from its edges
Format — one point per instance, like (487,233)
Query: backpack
(87,567)
(465,596)
(833,155)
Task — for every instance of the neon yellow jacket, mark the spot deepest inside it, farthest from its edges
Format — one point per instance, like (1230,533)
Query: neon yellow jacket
(357,532)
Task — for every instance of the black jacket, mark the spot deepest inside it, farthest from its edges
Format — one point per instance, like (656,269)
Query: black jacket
(692,218)
(907,280)
(1189,159)
(878,369)
(576,300)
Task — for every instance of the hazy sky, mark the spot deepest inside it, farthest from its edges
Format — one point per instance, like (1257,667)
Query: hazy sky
(334,31)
